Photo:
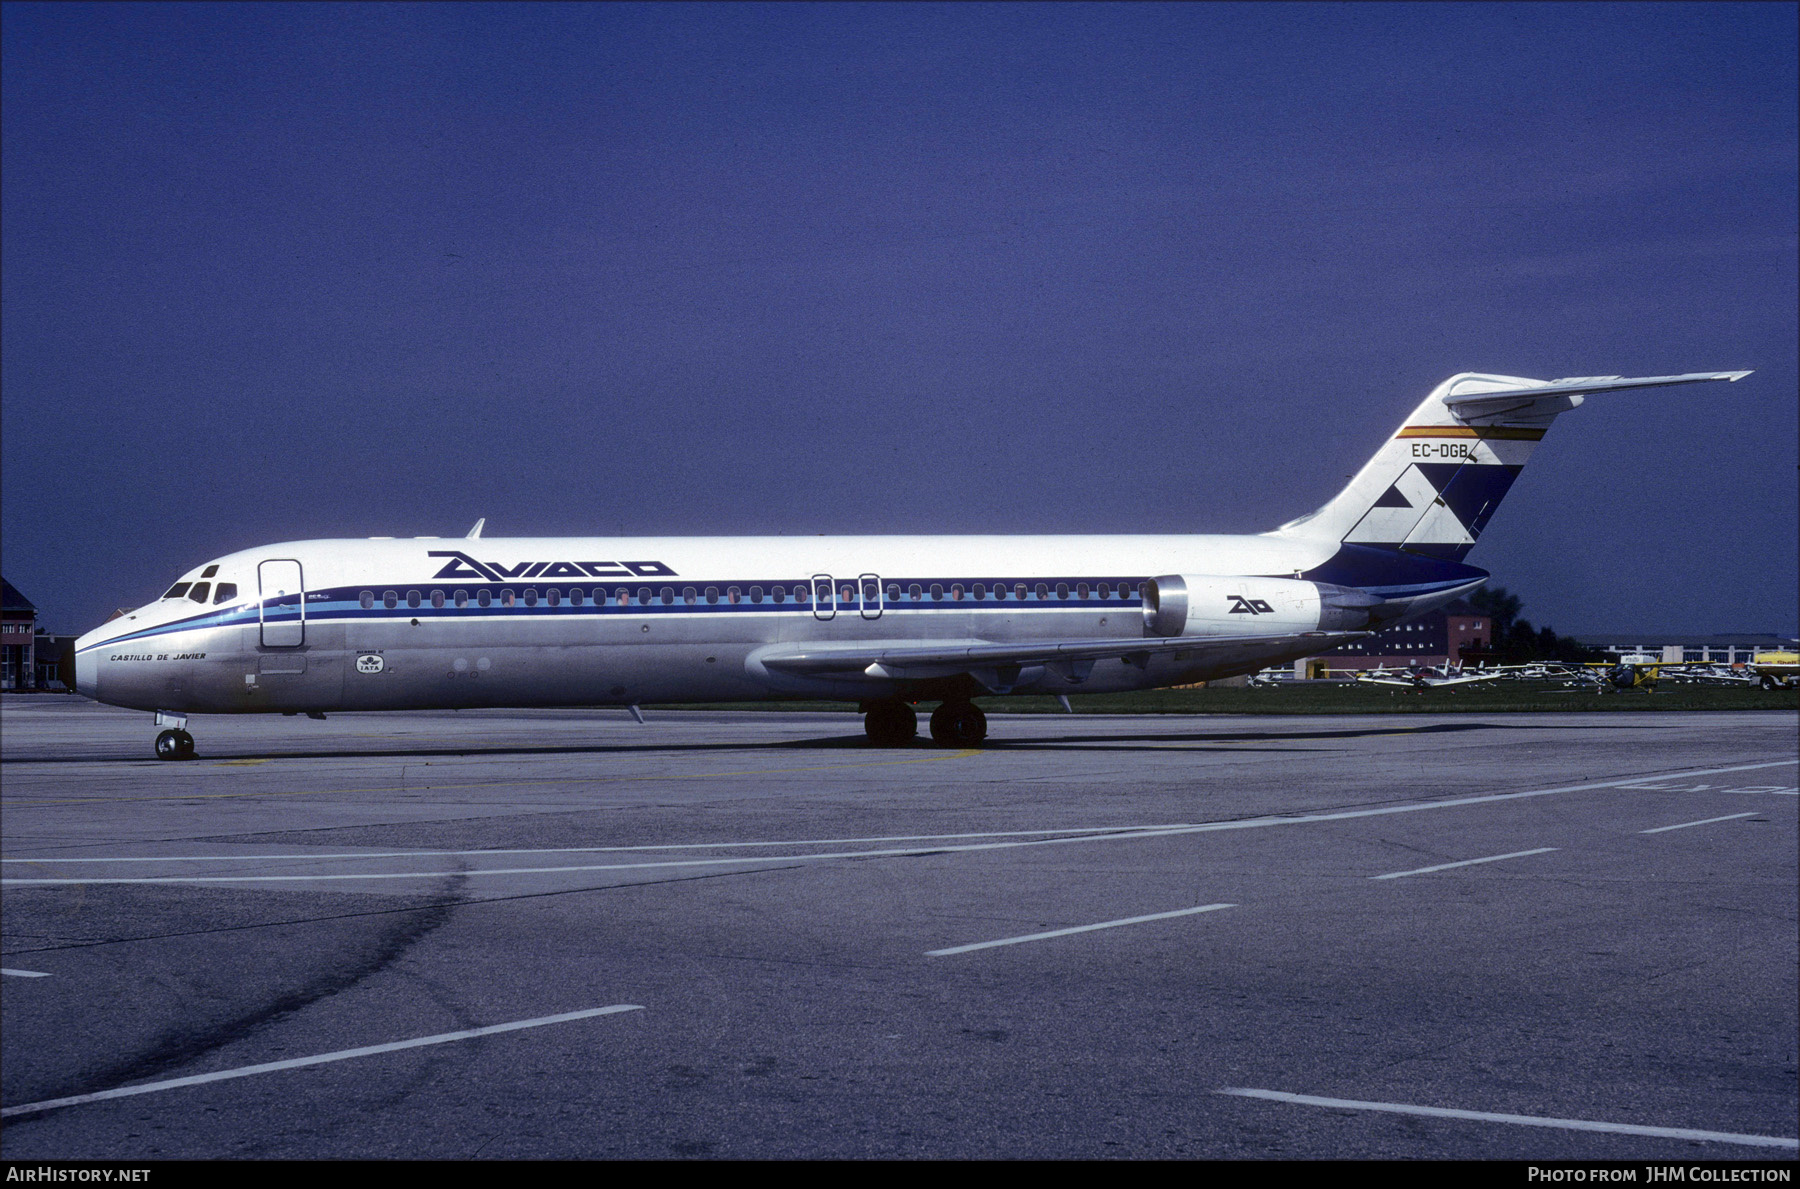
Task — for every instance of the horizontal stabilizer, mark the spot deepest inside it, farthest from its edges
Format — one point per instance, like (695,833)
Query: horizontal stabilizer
(1482,404)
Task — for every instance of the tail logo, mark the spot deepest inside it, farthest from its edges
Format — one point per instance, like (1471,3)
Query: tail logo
(1435,505)
(1243,606)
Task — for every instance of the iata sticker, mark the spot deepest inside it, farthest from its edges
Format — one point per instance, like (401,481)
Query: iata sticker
(369,663)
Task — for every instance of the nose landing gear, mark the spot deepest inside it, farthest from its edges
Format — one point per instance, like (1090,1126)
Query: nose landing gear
(174,745)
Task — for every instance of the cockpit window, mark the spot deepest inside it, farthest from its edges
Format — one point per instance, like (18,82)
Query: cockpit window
(227,592)
(209,571)
(176,591)
(200,591)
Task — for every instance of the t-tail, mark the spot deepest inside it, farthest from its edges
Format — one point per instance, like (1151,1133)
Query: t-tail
(1405,522)
(1432,489)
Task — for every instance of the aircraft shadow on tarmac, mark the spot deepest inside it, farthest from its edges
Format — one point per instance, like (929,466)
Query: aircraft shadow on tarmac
(1162,741)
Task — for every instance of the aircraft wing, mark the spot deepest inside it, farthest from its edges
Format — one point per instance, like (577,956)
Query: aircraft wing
(1469,680)
(1426,682)
(1397,682)
(938,658)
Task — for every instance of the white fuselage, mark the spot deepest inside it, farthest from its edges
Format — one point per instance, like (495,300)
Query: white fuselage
(451,622)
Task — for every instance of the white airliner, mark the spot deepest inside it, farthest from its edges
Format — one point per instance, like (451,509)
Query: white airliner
(306,627)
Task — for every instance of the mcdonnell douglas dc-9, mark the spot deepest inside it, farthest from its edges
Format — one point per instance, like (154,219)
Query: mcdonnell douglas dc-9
(306,627)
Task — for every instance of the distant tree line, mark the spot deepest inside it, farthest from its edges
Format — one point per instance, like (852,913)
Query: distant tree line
(1515,642)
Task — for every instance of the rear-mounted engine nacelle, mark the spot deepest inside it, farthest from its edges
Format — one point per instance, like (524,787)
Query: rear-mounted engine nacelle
(1210,605)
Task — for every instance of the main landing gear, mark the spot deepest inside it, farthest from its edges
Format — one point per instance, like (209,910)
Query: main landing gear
(958,724)
(892,723)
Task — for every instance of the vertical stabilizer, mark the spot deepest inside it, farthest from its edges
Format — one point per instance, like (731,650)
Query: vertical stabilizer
(1433,487)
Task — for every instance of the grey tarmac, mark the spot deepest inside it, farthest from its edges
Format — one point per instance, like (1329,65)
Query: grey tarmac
(562,934)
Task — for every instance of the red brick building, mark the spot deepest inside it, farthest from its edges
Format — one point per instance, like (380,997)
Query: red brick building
(1438,638)
(18,623)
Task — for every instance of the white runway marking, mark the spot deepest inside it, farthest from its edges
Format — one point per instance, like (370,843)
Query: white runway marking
(321,1059)
(1437,1112)
(1128,834)
(1155,916)
(595,850)
(25,973)
(1703,822)
(1518,854)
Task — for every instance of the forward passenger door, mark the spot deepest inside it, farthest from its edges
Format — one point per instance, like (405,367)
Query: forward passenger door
(281,603)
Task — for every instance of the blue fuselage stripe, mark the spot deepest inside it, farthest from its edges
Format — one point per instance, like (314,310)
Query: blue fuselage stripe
(342,604)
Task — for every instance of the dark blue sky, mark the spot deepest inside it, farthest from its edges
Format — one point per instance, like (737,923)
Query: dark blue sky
(306,271)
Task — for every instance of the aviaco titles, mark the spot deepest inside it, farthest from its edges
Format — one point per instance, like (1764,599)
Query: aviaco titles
(308,627)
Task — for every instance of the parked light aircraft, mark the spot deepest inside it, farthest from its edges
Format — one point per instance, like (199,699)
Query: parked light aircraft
(1424,677)
(427,623)
(1629,673)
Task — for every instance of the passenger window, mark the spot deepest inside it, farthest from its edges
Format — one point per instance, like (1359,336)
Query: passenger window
(1000,590)
(937,590)
(643,596)
(483,598)
(1019,592)
(756,594)
(732,595)
(624,597)
(712,594)
(667,595)
(1081,590)
(553,596)
(915,592)
(1043,591)
(437,598)
(802,594)
(367,599)
(979,590)
(176,591)
(531,596)
(227,592)
(893,595)
(506,596)
(779,593)
(956,592)
(1062,590)
(390,599)
(688,595)
(575,597)
(209,572)
(412,598)
(200,591)
(462,598)
(1105,590)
